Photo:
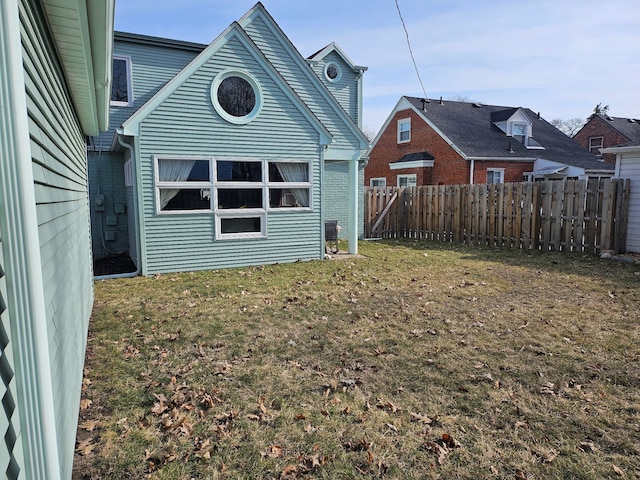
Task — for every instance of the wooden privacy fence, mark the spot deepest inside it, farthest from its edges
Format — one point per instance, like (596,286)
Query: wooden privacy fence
(572,215)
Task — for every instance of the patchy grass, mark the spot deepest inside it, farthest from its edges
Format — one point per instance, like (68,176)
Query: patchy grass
(417,361)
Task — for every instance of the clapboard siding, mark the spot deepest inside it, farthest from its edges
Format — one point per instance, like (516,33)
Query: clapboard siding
(344,90)
(60,172)
(335,184)
(630,168)
(187,241)
(152,66)
(308,90)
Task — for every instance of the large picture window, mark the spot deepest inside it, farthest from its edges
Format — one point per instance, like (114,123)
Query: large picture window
(239,191)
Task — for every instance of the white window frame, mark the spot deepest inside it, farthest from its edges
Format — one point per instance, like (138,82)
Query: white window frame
(257,90)
(289,185)
(381,181)
(596,148)
(404,122)
(411,179)
(129,102)
(213,185)
(338,71)
(494,171)
(158,185)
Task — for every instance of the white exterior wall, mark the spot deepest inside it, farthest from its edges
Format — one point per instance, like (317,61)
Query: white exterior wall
(628,166)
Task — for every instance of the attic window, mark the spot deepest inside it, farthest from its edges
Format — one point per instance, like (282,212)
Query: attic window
(519,132)
(236,96)
(332,72)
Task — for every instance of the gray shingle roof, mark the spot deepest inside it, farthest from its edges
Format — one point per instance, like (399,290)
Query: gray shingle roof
(629,127)
(470,127)
(415,157)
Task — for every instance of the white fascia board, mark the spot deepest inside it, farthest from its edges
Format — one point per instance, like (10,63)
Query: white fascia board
(622,149)
(415,164)
(274,28)
(101,24)
(131,126)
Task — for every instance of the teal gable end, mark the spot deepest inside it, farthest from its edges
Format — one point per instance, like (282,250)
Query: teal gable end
(295,132)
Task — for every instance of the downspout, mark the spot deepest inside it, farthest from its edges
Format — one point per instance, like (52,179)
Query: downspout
(23,264)
(472,168)
(136,210)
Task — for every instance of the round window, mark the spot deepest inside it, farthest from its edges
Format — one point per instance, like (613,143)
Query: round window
(332,72)
(236,96)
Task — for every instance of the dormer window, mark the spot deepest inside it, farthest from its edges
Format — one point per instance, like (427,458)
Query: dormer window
(519,132)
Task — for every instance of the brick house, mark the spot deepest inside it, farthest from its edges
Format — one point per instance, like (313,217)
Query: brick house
(603,131)
(432,142)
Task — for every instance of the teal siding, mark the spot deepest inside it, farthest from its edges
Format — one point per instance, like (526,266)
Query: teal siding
(335,185)
(187,241)
(152,66)
(60,174)
(11,457)
(309,91)
(106,177)
(344,90)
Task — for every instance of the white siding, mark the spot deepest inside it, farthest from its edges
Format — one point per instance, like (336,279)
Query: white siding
(630,168)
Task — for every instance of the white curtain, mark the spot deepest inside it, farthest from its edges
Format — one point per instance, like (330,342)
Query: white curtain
(172,171)
(296,172)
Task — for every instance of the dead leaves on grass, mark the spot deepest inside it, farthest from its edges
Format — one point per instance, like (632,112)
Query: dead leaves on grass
(442,446)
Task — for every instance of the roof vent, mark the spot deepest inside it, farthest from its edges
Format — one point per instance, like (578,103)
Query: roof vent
(609,118)
(510,148)
(631,120)
(538,115)
(477,105)
(441,102)
(424,103)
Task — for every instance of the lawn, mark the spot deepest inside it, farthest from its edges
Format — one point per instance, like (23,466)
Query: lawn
(417,361)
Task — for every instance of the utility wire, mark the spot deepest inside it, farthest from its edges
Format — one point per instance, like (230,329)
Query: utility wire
(410,50)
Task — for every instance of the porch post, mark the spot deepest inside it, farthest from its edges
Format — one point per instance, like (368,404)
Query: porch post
(353,207)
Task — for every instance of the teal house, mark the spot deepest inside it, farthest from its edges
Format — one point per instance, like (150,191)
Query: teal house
(55,69)
(228,154)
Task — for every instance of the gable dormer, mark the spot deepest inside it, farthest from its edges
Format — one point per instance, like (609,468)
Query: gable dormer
(342,77)
(514,122)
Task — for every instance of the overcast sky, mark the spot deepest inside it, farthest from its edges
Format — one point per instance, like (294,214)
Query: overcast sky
(558,57)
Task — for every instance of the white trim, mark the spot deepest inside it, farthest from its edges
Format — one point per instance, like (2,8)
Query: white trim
(257,90)
(414,164)
(598,150)
(495,170)
(402,122)
(408,176)
(158,185)
(128,69)
(384,181)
